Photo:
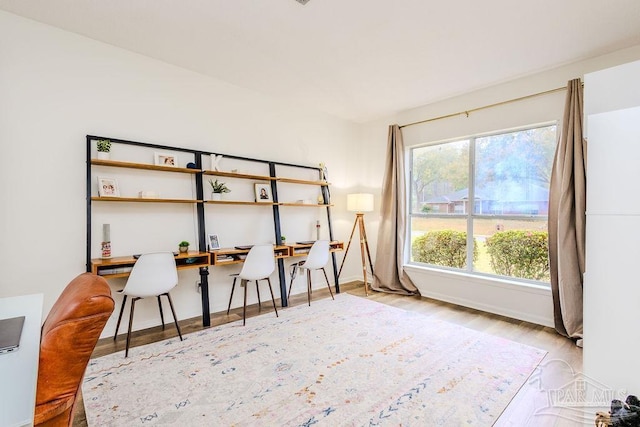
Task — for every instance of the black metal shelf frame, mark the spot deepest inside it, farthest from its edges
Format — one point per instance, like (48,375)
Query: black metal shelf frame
(200,207)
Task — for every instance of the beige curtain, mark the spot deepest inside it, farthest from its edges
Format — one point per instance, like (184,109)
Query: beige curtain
(388,273)
(567,204)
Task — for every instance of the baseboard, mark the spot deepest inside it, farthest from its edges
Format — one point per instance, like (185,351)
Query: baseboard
(489,308)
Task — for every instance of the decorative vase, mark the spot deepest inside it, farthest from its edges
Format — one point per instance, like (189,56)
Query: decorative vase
(216,196)
(103,155)
(105,249)
(183,249)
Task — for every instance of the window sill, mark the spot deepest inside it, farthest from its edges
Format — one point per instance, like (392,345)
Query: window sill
(487,280)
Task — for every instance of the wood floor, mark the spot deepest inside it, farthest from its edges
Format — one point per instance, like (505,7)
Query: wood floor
(524,409)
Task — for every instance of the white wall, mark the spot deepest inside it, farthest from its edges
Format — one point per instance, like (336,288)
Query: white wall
(529,303)
(56,87)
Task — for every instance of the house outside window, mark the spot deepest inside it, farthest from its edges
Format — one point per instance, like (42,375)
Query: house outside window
(480,204)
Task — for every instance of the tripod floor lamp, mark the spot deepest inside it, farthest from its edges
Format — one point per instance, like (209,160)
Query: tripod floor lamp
(360,203)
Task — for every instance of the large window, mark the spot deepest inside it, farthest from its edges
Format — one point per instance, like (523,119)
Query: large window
(480,204)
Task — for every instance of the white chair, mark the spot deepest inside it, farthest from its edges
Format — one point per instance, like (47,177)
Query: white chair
(258,265)
(316,260)
(153,275)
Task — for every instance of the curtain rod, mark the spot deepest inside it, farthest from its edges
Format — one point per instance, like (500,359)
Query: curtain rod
(473,110)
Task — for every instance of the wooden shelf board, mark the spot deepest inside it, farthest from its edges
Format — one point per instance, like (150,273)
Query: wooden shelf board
(142,200)
(305,205)
(333,243)
(202,260)
(146,166)
(238,202)
(303,181)
(217,263)
(239,175)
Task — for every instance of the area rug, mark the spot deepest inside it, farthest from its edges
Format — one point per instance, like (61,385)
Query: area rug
(348,362)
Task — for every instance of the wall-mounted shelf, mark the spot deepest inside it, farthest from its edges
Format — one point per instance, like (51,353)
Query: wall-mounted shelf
(306,205)
(303,181)
(142,200)
(240,175)
(144,166)
(111,267)
(238,202)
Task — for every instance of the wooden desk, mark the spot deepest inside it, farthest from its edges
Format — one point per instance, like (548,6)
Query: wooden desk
(19,369)
(115,267)
(302,249)
(111,268)
(228,256)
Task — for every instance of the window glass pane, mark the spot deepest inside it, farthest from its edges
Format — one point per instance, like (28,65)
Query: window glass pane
(512,247)
(512,172)
(508,216)
(440,179)
(439,241)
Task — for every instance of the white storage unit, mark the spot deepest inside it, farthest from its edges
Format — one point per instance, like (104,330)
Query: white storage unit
(612,277)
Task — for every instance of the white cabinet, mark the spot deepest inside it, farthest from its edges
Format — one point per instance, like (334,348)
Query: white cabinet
(613,156)
(612,277)
(612,301)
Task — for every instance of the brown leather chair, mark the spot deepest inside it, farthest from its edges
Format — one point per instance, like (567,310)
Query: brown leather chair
(69,335)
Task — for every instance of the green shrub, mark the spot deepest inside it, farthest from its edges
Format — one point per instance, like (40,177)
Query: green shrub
(519,253)
(446,247)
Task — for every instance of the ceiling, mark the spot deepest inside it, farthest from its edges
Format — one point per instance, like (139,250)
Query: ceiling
(356,59)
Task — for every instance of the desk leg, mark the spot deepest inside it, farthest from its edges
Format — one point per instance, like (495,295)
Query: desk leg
(204,294)
(335,272)
(283,283)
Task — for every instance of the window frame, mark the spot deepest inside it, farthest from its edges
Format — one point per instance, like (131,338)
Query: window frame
(468,216)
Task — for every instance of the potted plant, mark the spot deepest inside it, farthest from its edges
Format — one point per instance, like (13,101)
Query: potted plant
(183,246)
(283,239)
(217,188)
(104,148)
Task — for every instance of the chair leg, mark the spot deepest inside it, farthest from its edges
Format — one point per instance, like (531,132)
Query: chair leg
(133,305)
(272,297)
(328,285)
(175,319)
(294,269)
(161,314)
(244,307)
(124,301)
(233,288)
(309,287)
(258,292)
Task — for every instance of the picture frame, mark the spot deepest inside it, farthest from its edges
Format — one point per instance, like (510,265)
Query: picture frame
(108,187)
(263,193)
(165,159)
(214,241)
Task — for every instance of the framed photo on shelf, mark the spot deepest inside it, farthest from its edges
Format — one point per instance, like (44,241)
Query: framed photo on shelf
(214,242)
(165,159)
(263,193)
(108,187)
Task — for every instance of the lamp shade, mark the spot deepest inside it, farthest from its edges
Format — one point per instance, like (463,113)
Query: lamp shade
(360,202)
